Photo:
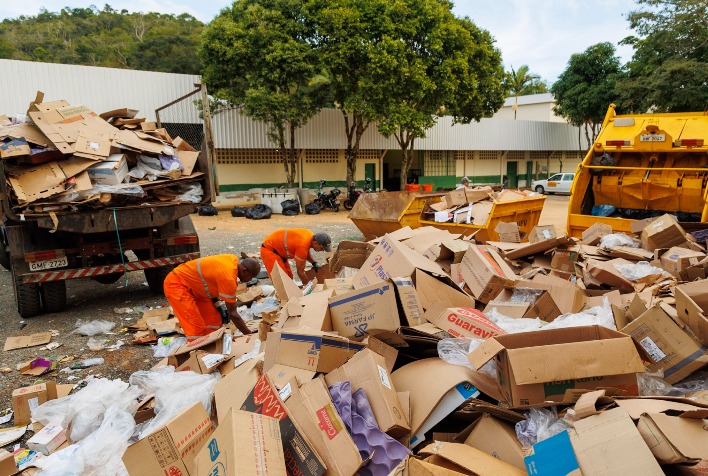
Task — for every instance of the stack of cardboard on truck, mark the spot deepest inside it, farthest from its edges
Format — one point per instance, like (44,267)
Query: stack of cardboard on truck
(63,157)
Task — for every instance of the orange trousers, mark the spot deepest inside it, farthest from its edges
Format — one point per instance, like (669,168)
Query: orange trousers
(198,317)
(270,258)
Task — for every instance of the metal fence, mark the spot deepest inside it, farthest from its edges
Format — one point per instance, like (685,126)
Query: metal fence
(183,118)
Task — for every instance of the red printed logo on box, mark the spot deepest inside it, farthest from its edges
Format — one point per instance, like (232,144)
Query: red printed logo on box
(468,322)
(328,422)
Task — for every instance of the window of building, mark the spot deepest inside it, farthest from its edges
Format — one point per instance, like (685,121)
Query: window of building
(488,155)
(322,156)
(369,154)
(438,163)
(248,156)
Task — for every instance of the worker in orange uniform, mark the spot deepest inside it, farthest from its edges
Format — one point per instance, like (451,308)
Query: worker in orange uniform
(197,291)
(295,244)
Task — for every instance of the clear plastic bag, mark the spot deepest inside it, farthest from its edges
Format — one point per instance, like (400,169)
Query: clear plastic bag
(455,351)
(120,189)
(618,239)
(269,304)
(598,315)
(635,272)
(92,328)
(147,167)
(267,290)
(347,272)
(192,193)
(654,385)
(522,295)
(514,325)
(166,345)
(542,423)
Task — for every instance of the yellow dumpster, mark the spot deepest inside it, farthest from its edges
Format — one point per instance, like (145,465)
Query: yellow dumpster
(376,214)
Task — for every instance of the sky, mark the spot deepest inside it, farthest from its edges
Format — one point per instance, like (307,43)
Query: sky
(542,34)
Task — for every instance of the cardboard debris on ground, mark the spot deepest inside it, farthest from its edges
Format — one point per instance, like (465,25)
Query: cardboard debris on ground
(22,342)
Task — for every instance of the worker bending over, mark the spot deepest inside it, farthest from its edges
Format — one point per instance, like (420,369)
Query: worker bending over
(295,244)
(194,290)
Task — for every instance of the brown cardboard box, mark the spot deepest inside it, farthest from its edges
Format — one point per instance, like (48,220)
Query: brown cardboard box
(26,399)
(542,306)
(217,342)
(432,290)
(311,407)
(509,196)
(463,322)
(475,194)
(7,463)
(508,232)
(676,439)
(409,308)
(365,311)
(497,437)
(447,459)
(48,439)
(536,367)
(676,260)
(172,448)
(367,370)
(340,285)
(300,455)
(606,273)
(564,260)
(389,259)
(244,444)
(539,246)
(542,233)
(567,296)
(456,198)
(663,232)
(692,307)
(481,212)
(671,350)
(594,234)
(485,273)
(232,390)
(350,254)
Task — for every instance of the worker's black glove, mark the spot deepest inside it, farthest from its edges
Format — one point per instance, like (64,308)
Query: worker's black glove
(221,307)
(316,267)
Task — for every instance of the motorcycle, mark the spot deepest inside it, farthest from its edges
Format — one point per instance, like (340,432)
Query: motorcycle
(328,199)
(354,194)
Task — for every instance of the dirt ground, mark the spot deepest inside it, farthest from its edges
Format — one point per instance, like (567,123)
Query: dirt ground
(88,300)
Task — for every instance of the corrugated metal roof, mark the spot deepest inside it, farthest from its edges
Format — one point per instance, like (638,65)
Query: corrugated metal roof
(101,89)
(529,99)
(326,131)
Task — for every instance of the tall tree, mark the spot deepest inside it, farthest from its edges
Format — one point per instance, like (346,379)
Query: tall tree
(669,67)
(587,87)
(257,55)
(522,82)
(430,63)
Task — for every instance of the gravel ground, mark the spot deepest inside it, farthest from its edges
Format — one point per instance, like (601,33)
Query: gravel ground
(88,300)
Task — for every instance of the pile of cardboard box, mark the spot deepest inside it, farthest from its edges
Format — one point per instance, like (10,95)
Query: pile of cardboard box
(68,158)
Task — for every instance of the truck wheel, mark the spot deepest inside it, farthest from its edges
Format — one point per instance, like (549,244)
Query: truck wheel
(29,303)
(539,189)
(54,296)
(155,278)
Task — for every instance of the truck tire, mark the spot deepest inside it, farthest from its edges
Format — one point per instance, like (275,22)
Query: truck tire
(53,296)
(27,298)
(155,278)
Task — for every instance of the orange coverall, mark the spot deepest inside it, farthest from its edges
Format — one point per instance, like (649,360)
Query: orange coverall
(186,293)
(285,244)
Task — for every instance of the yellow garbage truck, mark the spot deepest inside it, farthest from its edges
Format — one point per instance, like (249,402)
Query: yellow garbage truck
(643,165)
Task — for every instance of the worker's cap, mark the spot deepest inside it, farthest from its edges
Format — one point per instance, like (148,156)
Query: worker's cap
(323,239)
(465,180)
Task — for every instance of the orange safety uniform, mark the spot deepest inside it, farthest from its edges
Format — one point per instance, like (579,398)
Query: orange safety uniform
(190,287)
(285,244)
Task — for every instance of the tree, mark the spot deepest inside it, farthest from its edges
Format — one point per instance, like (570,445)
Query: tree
(257,56)
(669,67)
(587,87)
(430,64)
(522,82)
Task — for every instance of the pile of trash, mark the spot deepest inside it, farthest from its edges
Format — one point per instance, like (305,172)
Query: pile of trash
(423,352)
(63,157)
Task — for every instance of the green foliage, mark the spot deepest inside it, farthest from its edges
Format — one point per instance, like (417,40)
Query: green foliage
(88,36)
(522,82)
(669,67)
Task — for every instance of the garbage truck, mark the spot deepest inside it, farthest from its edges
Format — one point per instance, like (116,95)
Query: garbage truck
(59,221)
(642,166)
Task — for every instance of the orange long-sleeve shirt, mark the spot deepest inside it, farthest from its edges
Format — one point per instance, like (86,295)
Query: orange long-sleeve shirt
(220,273)
(290,243)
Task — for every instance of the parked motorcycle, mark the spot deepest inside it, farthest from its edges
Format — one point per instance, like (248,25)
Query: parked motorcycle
(354,194)
(328,199)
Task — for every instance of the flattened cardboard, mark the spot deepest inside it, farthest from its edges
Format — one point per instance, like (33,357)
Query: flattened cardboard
(47,180)
(497,438)
(593,235)
(537,247)
(676,260)
(243,444)
(456,198)
(468,460)
(367,370)
(432,290)
(315,311)
(365,311)
(92,144)
(605,272)
(285,287)
(311,407)
(463,322)
(485,273)
(671,350)
(508,232)
(675,439)
(542,233)
(188,159)
(692,307)
(409,309)
(22,342)
(636,407)
(14,148)
(567,296)
(232,390)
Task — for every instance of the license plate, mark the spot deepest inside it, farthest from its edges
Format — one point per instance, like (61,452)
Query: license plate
(49,264)
(652,138)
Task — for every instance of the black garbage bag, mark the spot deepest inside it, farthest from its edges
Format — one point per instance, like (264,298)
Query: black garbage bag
(239,211)
(208,211)
(312,209)
(291,206)
(259,212)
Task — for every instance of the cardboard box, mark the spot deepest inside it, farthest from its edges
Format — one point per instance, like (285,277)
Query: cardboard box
(663,232)
(486,273)
(365,311)
(605,272)
(692,307)
(593,235)
(509,196)
(568,296)
(537,367)
(390,259)
(172,448)
(311,407)
(26,399)
(463,322)
(448,459)
(217,342)
(676,439)
(232,390)
(497,438)
(476,194)
(671,350)
(432,290)
(564,261)
(542,233)
(367,370)
(539,304)
(350,254)
(508,232)
(481,212)
(340,285)
(112,171)
(7,463)
(243,444)
(409,309)
(300,456)
(676,260)
(456,198)
(47,439)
